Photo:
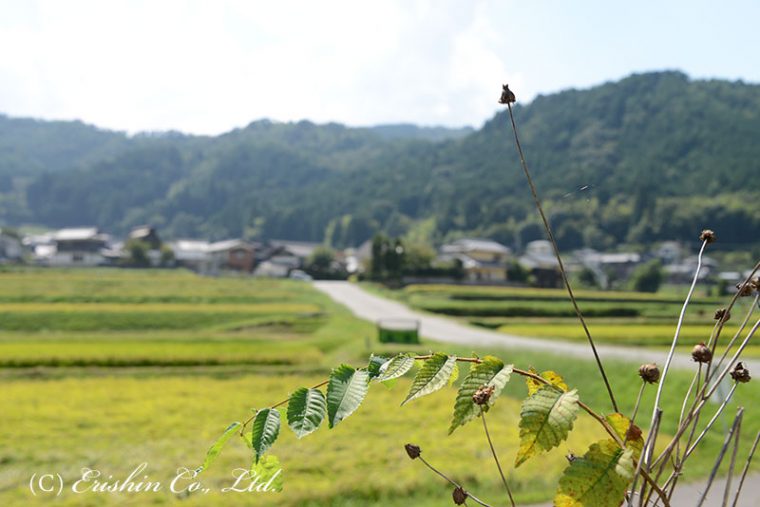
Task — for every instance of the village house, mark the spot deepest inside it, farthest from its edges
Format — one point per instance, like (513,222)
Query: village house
(233,255)
(539,260)
(483,260)
(82,246)
(11,248)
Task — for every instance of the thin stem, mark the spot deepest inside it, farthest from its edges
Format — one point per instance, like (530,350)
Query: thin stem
(639,465)
(732,464)
(279,404)
(495,457)
(746,469)
(738,332)
(455,484)
(734,428)
(563,273)
(733,360)
(690,448)
(647,454)
(635,411)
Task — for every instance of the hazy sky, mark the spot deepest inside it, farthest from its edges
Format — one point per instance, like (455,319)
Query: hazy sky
(208,67)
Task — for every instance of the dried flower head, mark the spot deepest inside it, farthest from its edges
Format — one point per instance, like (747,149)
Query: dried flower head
(745,289)
(507,97)
(722,314)
(701,353)
(459,495)
(413,451)
(649,373)
(755,283)
(707,236)
(740,374)
(482,395)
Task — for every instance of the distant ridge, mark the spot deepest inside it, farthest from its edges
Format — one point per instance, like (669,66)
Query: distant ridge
(652,157)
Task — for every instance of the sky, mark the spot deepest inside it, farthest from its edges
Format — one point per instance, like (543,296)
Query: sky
(207,67)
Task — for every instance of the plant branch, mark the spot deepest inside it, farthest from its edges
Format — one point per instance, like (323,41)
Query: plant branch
(647,453)
(495,457)
(563,273)
(746,469)
(455,484)
(735,427)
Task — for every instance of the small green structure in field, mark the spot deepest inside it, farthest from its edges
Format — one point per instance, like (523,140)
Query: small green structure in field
(398,331)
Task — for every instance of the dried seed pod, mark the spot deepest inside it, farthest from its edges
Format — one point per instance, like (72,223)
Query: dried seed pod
(701,353)
(740,374)
(413,451)
(459,495)
(722,314)
(755,283)
(745,289)
(507,97)
(707,236)
(649,373)
(482,395)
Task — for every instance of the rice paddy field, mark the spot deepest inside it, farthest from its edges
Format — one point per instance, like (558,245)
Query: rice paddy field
(108,369)
(621,318)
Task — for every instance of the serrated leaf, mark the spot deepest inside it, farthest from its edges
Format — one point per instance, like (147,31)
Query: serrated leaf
(454,374)
(375,364)
(553,377)
(396,367)
(267,474)
(433,375)
(306,410)
(598,479)
(491,372)
(346,389)
(266,428)
(622,426)
(546,418)
(216,447)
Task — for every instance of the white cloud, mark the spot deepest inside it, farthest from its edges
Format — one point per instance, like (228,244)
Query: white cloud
(207,67)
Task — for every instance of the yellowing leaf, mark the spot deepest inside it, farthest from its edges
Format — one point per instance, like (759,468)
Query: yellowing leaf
(622,426)
(546,418)
(598,479)
(554,379)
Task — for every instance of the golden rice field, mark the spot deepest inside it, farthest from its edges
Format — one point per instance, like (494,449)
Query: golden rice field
(108,369)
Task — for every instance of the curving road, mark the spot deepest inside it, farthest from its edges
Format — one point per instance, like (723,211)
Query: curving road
(373,308)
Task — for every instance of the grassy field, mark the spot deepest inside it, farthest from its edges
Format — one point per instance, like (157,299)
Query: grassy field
(96,372)
(624,318)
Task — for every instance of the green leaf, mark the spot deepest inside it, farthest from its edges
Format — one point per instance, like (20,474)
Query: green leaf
(346,389)
(217,446)
(267,473)
(491,372)
(598,479)
(306,410)
(454,374)
(433,375)
(546,418)
(554,379)
(266,428)
(374,365)
(396,367)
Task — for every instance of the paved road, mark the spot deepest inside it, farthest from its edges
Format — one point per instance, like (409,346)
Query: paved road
(371,307)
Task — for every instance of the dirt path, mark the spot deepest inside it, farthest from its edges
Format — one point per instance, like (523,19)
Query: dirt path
(371,307)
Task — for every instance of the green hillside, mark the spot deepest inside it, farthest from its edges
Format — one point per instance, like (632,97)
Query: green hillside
(652,157)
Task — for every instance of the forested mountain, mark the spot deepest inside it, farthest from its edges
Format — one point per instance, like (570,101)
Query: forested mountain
(652,157)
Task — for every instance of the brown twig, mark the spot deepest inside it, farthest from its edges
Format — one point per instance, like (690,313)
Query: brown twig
(735,428)
(495,457)
(746,469)
(550,235)
(454,483)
